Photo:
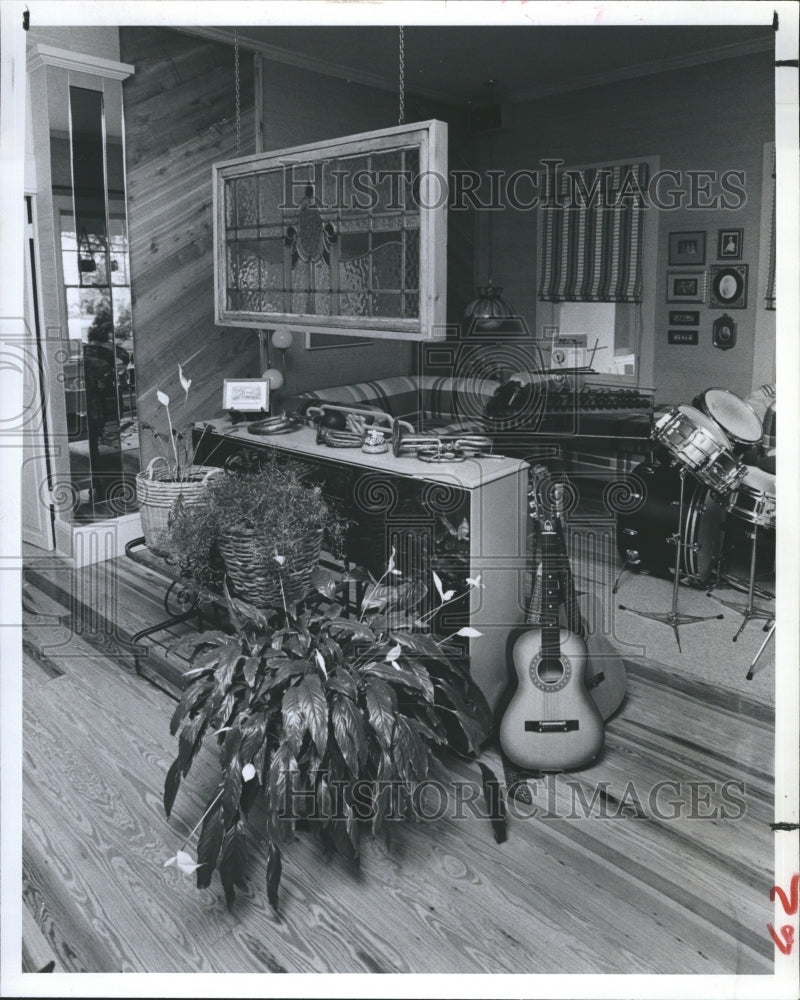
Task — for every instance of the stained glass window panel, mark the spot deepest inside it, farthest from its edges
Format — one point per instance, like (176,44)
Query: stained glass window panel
(333,235)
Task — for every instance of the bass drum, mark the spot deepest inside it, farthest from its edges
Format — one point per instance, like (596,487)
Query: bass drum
(643,535)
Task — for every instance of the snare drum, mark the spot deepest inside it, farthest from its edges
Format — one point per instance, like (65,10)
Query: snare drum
(700,444)
(754,498)
(737,419)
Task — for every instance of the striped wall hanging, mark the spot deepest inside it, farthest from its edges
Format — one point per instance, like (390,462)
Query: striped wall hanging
(592,236)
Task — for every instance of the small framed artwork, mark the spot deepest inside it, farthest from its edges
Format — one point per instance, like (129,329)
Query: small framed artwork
(245,395)
(728,286)
(682,336)
(684,317)
(686,286)
(723,332)
(687,248)
(729,244)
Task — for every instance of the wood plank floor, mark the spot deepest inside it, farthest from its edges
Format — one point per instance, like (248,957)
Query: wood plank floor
(595,876)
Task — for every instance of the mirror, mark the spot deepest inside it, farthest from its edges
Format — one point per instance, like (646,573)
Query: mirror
(88,184)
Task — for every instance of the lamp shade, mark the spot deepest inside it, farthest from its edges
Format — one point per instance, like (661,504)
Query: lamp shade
(282,338)
(274,377)
(488,306)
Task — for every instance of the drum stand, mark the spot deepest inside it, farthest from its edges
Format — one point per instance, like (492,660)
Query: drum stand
(749,610)
(770,629)
(673,618)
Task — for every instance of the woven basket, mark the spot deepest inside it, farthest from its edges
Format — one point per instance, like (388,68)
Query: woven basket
(250,569)
(157,493)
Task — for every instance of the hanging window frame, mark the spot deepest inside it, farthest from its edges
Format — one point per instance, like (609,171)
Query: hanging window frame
(426,143)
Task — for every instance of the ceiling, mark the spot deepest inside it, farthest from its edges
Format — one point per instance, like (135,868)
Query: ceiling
(453,64)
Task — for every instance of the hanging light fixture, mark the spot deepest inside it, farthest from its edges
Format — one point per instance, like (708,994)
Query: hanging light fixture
(489,306)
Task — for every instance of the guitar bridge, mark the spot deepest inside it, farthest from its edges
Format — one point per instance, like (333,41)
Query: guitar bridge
(551,725)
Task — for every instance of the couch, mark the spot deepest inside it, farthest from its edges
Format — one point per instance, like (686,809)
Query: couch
(443,404)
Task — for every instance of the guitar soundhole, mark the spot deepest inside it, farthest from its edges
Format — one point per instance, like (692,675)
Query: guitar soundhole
(551,670)
(550,673)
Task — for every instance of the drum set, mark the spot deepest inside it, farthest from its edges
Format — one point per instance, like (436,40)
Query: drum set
(680,523)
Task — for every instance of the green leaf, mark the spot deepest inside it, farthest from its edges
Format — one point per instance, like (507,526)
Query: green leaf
(228,658)
(189,741)
(469,716)
(430,728)
(188,699)
(344,683)
(249,613)
(314,706)
(394,674)
(171,785)
(352,627)
(414,749)
(348,730)
(324,582)
(231,741)
(282,771)
(208,847)
(233,861)
(250,671)
(418,642)
(294,721)
(253,732)
(231,793)
(381,708)
(274,869)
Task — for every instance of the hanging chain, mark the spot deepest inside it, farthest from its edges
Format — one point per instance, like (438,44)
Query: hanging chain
(402,58)
(236,87)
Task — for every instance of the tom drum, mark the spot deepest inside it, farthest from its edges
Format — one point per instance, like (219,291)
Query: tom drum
(737,419)
(754,499)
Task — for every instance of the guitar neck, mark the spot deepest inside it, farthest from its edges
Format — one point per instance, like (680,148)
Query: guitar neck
(556,560)
(552,590)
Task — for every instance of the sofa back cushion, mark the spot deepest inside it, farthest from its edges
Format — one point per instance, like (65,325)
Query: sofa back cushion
(416,398)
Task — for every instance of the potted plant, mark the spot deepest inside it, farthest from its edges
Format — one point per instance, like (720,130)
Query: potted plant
(329,719)
(262,529)
(171,477)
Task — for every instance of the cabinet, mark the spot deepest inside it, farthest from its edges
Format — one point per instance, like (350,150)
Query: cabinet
(468,519)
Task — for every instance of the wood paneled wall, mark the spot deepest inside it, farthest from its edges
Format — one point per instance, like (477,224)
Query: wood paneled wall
(180,119)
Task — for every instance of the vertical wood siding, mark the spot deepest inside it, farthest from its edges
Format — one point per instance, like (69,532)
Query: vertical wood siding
(179,119)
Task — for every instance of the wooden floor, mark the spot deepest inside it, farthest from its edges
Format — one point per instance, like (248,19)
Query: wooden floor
(609,884)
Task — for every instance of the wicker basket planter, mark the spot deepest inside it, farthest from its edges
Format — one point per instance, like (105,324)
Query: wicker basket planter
(255,575)
(157,492)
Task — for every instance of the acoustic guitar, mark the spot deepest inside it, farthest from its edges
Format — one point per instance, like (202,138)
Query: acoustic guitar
(606,678)
(551,722)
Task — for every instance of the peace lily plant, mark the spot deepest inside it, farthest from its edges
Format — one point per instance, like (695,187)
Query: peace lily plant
(175,446)
(325,715)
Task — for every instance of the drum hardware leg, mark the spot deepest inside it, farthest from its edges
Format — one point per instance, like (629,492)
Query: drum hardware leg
(632,558)
(749,610)
(673,618)
(769,628)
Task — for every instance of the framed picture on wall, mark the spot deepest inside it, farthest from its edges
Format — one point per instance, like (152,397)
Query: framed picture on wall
(729,244)
(686,286)
(729,286)
(687,248)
